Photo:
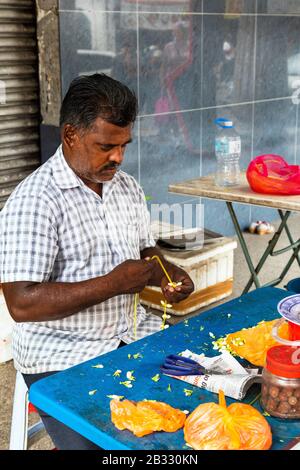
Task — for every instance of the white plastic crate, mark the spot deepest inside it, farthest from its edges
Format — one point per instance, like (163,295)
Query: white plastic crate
(211,269)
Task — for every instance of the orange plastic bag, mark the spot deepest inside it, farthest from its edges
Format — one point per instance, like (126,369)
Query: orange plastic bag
(271,174)
(253,343)
(145,417)
(216,427)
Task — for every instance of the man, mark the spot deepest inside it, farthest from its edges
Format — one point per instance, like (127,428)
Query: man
(74,241)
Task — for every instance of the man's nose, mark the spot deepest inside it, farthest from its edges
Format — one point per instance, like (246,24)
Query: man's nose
(117,155)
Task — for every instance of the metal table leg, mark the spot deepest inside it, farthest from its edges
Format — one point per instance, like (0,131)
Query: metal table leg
(295,246)
(271,245)
(243,244)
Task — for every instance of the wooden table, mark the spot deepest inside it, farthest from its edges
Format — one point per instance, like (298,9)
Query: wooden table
(205,187)
(65,395)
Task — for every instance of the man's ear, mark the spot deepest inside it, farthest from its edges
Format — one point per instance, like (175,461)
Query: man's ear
(70,135)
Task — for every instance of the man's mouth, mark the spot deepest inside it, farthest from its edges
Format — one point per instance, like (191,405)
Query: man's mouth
(110,168)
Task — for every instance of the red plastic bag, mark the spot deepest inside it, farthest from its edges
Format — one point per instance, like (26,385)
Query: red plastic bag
(271,174)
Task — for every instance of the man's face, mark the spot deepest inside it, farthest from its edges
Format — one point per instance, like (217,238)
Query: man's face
(95,155)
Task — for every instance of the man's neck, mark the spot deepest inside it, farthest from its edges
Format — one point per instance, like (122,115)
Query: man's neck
(96,187)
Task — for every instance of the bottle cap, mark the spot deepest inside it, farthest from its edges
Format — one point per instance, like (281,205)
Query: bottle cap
(284,361)
(224,123)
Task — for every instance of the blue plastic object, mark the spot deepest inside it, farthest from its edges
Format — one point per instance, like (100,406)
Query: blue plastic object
(223,122)
(179,365)
(79,397)
(294,285)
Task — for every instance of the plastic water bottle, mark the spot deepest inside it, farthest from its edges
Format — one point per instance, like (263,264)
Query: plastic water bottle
(228,152)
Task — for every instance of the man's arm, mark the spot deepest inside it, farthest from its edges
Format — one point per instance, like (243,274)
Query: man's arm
(34,301)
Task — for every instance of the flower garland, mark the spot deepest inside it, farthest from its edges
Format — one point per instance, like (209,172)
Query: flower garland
(164,303)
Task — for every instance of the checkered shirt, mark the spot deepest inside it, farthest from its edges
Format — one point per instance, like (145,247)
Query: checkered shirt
(54,228)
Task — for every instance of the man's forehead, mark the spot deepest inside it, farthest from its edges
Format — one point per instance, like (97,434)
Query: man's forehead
(104,129)
(107,133)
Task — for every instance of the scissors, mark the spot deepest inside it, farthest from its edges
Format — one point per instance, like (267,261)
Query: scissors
(179,365)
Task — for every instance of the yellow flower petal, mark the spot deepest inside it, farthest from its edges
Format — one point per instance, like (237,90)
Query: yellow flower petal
(156,378)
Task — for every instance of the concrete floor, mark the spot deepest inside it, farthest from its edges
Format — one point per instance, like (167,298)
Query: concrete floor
(256,246)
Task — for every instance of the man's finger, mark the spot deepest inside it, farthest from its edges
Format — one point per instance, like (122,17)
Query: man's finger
(186,281)
(175,297)
(169,289)
(151,263)
(181,289)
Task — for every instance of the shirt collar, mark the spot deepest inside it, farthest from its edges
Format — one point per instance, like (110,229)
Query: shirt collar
(63,175)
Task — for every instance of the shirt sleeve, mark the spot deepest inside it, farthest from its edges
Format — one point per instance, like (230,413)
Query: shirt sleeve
(145,235)
(28,239)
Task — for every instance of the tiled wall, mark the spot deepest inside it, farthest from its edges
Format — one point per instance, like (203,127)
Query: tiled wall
(190,61)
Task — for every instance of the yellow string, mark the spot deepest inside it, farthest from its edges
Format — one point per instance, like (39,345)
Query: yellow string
(136,300)
(164,270)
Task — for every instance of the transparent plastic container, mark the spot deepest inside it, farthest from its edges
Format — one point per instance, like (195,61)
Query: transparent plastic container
(280,391)
(228,152)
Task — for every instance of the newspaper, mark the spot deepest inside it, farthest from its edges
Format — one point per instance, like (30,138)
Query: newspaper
(230,376)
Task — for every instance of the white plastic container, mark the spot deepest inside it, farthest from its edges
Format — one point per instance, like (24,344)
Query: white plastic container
(211,269)
(6,327)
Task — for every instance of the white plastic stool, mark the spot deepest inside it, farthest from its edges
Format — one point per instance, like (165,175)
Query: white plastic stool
(21,437)
(6,327)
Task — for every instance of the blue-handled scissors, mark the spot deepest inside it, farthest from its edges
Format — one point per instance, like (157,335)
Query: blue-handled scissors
(179,365)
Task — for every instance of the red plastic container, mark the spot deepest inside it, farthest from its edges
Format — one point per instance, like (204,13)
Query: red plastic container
(279,361)
(294,331)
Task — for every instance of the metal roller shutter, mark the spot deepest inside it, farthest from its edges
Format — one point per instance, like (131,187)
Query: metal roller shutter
(19,94)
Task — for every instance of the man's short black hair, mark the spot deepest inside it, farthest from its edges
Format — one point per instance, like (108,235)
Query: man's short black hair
(93,96)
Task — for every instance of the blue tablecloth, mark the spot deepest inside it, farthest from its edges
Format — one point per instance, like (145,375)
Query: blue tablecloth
(66,397)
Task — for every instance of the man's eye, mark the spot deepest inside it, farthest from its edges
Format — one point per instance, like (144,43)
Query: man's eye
(106,148)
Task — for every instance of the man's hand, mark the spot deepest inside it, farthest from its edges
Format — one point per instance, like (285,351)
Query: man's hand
(132,276)
(45,301)
(175,294)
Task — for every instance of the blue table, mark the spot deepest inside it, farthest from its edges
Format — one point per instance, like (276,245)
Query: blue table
(65,395)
